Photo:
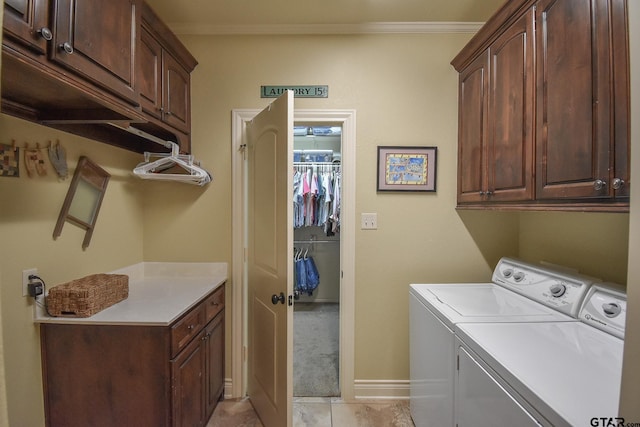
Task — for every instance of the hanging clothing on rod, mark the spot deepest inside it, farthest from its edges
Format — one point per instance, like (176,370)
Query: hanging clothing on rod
(316,196)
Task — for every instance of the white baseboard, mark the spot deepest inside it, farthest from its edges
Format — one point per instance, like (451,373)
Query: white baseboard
(228,394)
(381,389)
(363,389)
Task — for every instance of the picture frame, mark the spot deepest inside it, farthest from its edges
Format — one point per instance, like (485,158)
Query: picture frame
(407,168)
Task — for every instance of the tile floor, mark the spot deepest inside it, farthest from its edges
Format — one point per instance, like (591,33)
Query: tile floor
(319,412)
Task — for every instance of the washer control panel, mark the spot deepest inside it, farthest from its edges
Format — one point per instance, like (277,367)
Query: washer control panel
(605,308)
(555,288)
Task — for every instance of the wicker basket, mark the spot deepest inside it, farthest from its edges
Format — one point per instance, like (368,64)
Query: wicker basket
(87,296)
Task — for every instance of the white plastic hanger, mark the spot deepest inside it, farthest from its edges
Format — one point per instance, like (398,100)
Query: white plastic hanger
(154,170)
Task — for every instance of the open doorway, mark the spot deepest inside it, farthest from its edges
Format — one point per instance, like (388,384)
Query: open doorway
(346,120)
(317,200)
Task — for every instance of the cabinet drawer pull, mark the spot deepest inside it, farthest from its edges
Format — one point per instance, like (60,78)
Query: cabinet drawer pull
(190,327)
(617,183)
(599,184)
(66,46)
(45,33)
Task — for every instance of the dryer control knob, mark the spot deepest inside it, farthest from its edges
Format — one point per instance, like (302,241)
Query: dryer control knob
(611,309)
(507,273)
(558,290)
(518,276)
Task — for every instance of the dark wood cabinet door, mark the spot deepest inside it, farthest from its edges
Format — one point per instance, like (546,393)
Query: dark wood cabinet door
(150,74)
(573,99)
(510,134)
(215,363)
(177,101)
(621,180)
(188,385)
(27,22)
(472,130)
(98,40)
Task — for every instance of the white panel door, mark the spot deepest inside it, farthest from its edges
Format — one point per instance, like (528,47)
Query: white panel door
(270,262)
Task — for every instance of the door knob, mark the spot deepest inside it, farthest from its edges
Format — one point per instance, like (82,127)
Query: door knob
(277,298)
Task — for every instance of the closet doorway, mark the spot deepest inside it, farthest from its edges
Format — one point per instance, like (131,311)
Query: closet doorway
(338,296)
(317,197)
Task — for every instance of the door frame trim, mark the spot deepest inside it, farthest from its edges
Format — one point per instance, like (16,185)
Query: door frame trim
(347,119)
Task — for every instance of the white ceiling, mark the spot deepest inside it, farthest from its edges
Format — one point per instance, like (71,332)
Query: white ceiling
(210,15)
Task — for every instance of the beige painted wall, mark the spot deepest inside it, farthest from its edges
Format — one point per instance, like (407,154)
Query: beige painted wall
(29,208)
(593,243)
(629,407)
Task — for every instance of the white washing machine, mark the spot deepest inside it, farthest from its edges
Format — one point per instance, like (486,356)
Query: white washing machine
(520,292)
(549,374)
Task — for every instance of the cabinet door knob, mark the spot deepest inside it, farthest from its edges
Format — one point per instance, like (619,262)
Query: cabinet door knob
(45,33)
(481,193)
(617,183)
(489,193)
(599,184)
(66,46)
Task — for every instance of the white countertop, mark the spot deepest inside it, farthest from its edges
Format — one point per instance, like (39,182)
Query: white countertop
(159,293)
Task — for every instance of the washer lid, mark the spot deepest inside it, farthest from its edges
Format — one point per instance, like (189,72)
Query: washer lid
(482,302)
(569,371)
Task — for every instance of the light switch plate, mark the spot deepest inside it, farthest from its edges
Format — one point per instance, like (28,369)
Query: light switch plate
(369,221)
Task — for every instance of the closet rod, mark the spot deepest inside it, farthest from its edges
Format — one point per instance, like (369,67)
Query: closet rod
(314,241)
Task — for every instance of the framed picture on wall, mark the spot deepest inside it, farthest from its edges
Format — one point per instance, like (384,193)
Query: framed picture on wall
(407,168)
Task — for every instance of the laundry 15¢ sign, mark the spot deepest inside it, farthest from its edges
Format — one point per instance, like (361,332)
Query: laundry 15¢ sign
(321,91)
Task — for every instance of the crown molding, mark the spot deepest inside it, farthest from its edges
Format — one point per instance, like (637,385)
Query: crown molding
(329,29)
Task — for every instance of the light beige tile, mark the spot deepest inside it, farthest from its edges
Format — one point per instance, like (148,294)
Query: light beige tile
(312,414)
(388,414)
(234,412)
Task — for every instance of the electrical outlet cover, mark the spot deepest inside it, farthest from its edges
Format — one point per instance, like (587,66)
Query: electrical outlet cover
(25,280)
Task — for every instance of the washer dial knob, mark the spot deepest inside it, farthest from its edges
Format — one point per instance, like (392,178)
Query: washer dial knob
(558,290)
(611,309)
(518,276)
(507,273)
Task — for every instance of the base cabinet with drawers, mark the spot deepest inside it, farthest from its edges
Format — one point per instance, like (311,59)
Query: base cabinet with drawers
(107,375)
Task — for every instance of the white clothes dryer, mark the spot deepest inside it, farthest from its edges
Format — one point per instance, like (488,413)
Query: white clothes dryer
(548,374)
(520,292)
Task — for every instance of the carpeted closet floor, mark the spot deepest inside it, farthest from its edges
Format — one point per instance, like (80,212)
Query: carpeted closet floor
(316,348)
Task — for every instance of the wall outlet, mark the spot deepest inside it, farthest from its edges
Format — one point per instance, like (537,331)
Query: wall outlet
(25,280)
(369,221)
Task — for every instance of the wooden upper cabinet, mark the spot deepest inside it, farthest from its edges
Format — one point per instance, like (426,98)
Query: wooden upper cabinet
(150,74)
(574,99)
(472,130)
(164,74)
(557,108)
(176,96)
(27,22)
(511,88)
(495,149)
(98,39)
